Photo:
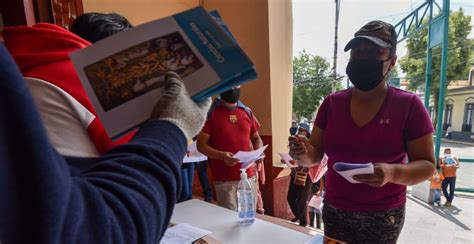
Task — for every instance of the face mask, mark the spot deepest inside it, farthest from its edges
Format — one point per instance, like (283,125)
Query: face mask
(231,96)
(365,74)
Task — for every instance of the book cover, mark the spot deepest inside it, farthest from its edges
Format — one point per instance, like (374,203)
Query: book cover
(123,74)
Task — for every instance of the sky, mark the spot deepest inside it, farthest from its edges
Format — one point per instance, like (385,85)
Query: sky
(313,23)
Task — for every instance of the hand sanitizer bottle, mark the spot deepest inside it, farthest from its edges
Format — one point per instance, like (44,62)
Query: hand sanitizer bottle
(245,200)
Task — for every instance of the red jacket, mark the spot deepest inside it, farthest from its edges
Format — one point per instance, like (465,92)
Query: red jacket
(42,51)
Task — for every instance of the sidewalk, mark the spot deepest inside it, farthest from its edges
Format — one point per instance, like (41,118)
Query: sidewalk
(465,143)
(425,223)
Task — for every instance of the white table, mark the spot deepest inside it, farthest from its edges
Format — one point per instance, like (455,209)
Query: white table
(223,223)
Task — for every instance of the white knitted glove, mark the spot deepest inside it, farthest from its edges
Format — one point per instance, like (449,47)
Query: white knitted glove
(176,106)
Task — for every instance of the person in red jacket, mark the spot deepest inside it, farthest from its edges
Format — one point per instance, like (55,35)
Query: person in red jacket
(64,106)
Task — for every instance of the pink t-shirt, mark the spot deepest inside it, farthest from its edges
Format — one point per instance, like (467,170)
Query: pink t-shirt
(402,118)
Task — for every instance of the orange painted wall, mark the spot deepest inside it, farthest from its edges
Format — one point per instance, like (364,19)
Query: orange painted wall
(140,11)
(248,21)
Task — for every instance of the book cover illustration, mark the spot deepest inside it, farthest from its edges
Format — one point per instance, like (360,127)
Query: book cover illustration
(139,69)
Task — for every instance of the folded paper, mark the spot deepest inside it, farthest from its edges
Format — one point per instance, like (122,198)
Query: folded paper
(348,170)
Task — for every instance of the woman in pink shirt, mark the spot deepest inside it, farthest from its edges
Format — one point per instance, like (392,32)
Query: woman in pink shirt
(372,122)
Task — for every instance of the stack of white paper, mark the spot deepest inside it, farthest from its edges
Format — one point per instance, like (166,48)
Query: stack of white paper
(247,158)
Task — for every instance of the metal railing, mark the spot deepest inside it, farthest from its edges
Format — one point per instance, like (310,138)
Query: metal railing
(466,189)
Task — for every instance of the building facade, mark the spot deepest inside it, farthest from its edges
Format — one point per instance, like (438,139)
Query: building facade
(459,110)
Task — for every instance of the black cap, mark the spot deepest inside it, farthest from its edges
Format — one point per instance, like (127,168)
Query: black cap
(378,32)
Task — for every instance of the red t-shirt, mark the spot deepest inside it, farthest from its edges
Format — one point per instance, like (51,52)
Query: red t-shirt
(230,131)
(401,119)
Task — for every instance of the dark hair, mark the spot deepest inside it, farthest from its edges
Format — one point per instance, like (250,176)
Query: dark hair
(97,26)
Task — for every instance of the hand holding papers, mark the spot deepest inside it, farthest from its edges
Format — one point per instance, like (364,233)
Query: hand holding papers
(316,172)
(299,146)
(316,202)
(193,154)
(286,158)
(348,170)
(247,158)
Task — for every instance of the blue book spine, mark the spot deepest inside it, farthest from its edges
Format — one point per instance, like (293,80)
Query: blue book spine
(218,19)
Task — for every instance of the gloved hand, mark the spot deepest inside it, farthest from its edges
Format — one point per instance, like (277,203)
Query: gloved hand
(177,107)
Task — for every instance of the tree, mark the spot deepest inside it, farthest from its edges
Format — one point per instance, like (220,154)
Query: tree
(460,57)
(311,83)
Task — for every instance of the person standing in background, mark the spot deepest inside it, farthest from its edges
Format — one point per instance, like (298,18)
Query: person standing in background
(436,181)
(449,165)
(300,185)
(229,127)
(370,122)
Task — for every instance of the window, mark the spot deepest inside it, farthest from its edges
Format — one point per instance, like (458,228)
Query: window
(448,115)
(431,111)
(468,117)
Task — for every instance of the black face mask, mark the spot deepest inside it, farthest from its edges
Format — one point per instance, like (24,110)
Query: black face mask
(231,96)
(365,74)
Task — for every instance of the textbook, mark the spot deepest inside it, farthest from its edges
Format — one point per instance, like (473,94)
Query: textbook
(123,75)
